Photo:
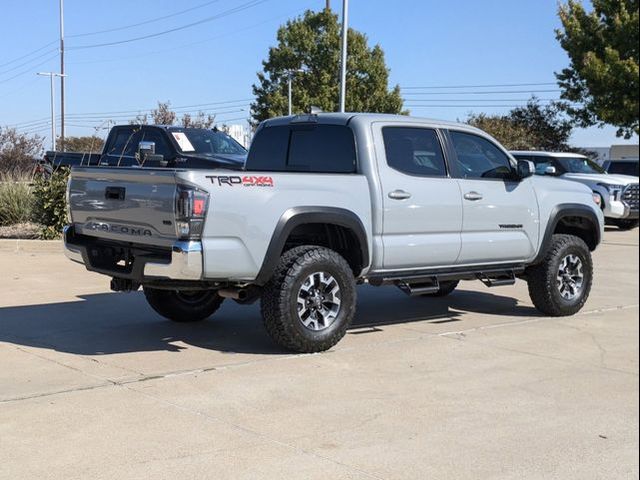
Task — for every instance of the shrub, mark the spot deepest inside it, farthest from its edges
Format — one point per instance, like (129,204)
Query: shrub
(50,209)
(16,201)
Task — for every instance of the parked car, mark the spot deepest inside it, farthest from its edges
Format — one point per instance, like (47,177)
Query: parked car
(326,202)
(154,145)
(622,167)
(618,193)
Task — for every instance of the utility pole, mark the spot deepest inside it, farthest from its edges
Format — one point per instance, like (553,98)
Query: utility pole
(51,76)
(328,5)
(62,74)
(343,62)
(290,74)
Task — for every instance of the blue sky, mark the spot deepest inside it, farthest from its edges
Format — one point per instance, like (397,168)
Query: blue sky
(427,44)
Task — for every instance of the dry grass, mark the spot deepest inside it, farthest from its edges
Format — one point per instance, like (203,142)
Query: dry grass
(26,230)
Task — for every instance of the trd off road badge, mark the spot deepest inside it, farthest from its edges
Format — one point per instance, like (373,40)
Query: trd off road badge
(244,181)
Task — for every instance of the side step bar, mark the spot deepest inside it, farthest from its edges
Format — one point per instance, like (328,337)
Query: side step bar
(420,283)
(508,278)
(422,288)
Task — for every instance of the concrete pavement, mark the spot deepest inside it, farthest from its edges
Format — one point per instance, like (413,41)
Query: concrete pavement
(94,384)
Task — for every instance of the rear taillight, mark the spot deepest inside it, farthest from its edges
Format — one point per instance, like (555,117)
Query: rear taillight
(191,209)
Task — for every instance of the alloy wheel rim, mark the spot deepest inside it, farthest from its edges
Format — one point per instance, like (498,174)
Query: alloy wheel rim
(318,301)
(570,278)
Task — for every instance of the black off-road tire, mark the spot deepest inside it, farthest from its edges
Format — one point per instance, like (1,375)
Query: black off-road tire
(626,224)
(543,281)
(183,306)
(446,288)
(279,304)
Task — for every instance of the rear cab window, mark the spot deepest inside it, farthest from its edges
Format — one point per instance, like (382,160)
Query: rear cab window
(318,148)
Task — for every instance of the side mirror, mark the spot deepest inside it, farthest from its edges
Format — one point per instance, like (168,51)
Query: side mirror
(526,169)
(550,170)
(145,149)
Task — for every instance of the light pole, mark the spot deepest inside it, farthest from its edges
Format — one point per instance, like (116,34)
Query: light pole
(290,74)
(343,62)
(62,75)
(51,76)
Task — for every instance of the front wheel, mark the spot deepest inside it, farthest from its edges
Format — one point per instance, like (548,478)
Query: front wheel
(626,224)
(561,283)
(183,305)
(310,301)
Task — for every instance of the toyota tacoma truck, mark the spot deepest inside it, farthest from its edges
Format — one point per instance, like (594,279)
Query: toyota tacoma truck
(618,194)
(326,202)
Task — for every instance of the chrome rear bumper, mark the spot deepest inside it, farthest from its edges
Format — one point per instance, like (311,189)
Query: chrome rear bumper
(183,261)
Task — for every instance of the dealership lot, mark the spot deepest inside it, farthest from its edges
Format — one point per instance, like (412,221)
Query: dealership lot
(94,384)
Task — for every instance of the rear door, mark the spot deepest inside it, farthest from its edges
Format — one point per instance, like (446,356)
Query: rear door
(500,212)
(422,216)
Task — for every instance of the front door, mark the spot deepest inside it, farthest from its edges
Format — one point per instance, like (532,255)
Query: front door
(500,211)
(422,206)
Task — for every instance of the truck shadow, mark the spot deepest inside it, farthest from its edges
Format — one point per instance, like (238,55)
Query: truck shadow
(109,323)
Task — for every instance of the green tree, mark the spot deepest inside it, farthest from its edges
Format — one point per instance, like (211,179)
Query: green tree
(503,129)
(602,76)
(83,144)
(530,127)
(312,43)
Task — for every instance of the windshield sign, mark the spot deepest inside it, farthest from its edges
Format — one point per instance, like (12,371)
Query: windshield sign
(207,142)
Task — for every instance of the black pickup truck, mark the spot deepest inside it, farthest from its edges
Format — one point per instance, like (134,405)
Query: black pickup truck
(155,146)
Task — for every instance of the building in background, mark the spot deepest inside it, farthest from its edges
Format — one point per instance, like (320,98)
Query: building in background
(614,152)
(240,133)
(623,152)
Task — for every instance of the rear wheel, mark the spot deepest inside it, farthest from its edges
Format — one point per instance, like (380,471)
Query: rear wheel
(626,224)
(310,301)
(561,283)
(183,305)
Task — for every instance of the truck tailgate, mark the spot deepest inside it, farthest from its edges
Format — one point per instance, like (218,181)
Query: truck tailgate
(124,204)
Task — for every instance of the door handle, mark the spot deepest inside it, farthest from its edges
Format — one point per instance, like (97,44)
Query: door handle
(473,196)
(399,195)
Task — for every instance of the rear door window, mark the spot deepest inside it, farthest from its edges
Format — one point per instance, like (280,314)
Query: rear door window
(415,151)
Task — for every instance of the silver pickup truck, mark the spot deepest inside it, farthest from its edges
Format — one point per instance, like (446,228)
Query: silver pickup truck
(329,201)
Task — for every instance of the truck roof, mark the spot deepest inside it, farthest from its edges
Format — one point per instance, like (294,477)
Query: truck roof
(350,117)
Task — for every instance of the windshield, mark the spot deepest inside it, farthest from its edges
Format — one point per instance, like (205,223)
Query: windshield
(207,142)
(579,165)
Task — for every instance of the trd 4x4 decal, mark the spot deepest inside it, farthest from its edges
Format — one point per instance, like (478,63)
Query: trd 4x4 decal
(245,181)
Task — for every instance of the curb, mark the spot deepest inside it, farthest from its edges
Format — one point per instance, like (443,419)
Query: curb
(30,246)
